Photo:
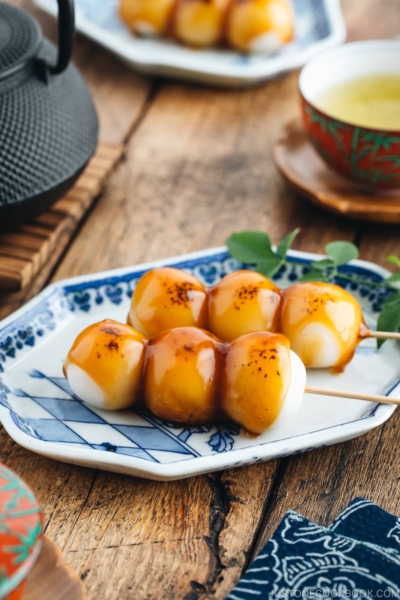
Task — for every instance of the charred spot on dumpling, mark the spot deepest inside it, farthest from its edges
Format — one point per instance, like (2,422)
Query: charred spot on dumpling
(165,298)
(104,365)
(242,302)
(254,394)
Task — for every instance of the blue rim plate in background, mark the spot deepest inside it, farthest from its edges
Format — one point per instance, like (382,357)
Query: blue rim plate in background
(39,411)
(318,25)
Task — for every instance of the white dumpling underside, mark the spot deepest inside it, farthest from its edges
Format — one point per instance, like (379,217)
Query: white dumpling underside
(295,394)
(84,387)
(267,43)
(318,341)
(145,29)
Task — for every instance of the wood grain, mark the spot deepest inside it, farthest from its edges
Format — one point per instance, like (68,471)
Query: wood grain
(199,166)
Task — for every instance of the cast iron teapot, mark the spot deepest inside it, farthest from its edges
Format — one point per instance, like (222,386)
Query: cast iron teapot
(48,123)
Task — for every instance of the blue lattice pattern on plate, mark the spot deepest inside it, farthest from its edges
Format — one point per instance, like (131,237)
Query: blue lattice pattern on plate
(42,406)
(70,421)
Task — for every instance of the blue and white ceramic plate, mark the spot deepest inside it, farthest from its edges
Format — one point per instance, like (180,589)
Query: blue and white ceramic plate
(318,25)
(39,411)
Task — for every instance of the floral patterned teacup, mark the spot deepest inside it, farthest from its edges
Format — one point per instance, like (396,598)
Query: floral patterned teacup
(369,156)
(21,527)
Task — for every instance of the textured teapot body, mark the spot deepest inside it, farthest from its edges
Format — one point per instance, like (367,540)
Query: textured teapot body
(48,123)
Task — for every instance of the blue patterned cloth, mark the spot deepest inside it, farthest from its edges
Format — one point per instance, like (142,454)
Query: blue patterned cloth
(305,560)
(364,521)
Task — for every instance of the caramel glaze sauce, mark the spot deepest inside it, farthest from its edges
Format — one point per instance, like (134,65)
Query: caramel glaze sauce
(166,298)
(324,324)
(192,378)
(255,380)
(147,17)
(242,302)
(199,23)
(250,20)
(181,375)
(186,375)
(112,356)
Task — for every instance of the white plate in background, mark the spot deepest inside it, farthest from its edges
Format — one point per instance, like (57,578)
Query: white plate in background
(318,25)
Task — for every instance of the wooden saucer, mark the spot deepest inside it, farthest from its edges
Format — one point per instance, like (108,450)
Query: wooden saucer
(308,174)
(52,578)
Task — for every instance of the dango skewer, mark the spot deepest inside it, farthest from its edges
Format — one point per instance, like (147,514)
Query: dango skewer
(242,302)
(251,26)
(188,376)
(352,395)
(323,322)
(382,335)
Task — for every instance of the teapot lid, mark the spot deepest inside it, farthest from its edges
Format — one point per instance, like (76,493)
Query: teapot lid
(20,39)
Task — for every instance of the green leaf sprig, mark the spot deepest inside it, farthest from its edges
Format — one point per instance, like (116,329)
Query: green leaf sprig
(255,248)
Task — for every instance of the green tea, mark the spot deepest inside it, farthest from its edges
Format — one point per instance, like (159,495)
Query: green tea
(372,101)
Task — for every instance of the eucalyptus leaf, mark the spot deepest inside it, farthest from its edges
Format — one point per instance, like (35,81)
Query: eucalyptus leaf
(392,299)
(389,320)
(341,252)
(313,276)
(395,260)
(323,264)
(286,243)
(269,267)
(250,246)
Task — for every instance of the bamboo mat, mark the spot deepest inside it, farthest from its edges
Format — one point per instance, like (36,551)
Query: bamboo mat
(39,244)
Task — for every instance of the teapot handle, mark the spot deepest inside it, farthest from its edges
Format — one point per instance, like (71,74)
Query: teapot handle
(66,31)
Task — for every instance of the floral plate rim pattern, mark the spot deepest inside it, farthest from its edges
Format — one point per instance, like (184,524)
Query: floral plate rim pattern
(14,339)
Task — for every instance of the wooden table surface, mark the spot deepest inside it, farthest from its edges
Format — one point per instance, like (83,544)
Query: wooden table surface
(198,167)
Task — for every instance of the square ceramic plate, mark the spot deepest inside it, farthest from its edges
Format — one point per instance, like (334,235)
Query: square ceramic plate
(318,25)
(39,411)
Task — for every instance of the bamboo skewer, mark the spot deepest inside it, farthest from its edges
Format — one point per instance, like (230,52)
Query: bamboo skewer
(352,395)
(382,335)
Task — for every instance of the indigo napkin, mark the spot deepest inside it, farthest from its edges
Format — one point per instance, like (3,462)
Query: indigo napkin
(366,522)
(305,560)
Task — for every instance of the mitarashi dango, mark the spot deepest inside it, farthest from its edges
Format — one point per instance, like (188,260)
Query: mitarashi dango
(259,26)
(262,382)
(186,375)
(105,363)
(323,322)
(147,17)
(199,23)
(242,302)
(165,298)
(181,376)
